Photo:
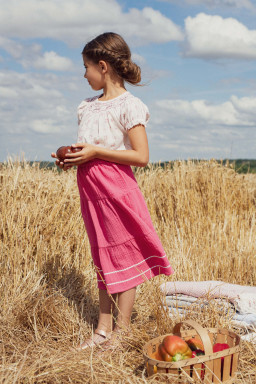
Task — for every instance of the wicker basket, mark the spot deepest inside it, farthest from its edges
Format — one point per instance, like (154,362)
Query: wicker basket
(218,367)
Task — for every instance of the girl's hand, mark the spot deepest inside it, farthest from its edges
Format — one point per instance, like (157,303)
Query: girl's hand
(87,153)
(59,163)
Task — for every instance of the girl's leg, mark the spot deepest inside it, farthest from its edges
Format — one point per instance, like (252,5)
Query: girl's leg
(125,302)
(124,305)
(105,322)
(107,307)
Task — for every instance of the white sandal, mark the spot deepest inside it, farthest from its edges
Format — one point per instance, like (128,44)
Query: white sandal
(115,340)
(95,340)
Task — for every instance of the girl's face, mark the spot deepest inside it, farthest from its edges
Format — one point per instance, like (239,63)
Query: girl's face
(93,74)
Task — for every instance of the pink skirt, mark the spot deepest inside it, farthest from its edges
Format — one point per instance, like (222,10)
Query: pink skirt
(125,247)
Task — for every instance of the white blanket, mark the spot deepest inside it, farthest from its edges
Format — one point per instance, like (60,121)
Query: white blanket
(243,297)
(239,301)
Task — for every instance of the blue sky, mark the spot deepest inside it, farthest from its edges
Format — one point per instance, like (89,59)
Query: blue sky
(198,66)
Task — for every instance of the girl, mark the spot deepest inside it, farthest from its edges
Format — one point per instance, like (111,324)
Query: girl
(124,245)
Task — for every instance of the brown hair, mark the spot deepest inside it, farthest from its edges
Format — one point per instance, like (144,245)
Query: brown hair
(112,48)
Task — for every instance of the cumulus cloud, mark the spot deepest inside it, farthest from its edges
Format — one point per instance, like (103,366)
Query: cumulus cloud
(52,61)
(31,56)
(37,112)
(45,126)
(191,114)
(25,98)
(8,93)
(214,37)
(138,59)
(247,4)
(12,47)
(200,129)
(75,22)
(151,25)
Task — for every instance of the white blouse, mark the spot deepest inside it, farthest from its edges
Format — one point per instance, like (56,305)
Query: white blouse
(106,123)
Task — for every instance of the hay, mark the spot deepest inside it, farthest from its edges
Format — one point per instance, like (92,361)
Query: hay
(205,215)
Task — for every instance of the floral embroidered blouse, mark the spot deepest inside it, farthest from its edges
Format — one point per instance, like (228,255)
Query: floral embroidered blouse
(106,123)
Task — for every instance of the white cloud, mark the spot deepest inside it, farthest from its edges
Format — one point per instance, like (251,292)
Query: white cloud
(45,126)
(151,24)
(29,98)
(213,37)
(52,61)
(200,113)
(38,115)
(38,112)
(12,47)
(247,4)
(8,93)
(138,59)
(200,129)
(31,56)
(76,22)
(245,107)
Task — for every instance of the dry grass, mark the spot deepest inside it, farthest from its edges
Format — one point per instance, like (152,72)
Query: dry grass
(205,215)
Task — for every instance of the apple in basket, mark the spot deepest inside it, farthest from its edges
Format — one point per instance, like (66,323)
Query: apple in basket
(197,348)
(64,150)
(195,344)
(174,348)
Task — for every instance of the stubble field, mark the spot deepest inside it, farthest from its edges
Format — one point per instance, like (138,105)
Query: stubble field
(205,216)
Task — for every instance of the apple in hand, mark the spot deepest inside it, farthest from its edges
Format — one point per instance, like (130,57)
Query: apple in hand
(64,150)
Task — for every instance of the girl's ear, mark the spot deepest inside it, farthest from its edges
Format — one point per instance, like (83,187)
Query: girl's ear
(103,65)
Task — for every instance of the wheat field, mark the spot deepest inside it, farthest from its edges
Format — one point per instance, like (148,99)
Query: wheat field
(205,216)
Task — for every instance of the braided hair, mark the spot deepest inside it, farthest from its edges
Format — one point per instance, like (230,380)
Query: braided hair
(112,48)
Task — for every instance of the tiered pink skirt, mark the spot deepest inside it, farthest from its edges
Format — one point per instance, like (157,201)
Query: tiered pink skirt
(125,247)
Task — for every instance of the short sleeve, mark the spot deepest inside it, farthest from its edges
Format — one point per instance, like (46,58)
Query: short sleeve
(134,112)
(82,107)
(80,110)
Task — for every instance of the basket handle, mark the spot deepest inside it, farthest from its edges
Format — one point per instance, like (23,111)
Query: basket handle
(202,332)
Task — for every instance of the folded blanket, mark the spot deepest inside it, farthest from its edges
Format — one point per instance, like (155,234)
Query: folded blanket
(250,337)
(243,297)
(245,319)
(180,304)
(238,302)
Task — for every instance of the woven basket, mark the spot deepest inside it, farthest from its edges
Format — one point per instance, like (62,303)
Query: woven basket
(218,367)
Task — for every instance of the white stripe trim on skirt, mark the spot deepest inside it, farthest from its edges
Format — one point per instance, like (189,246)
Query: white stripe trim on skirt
(142,273)
(134,265)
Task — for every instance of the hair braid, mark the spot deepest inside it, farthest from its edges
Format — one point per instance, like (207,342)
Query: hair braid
(112,48)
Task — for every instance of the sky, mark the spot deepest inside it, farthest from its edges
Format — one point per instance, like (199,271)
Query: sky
(198,62)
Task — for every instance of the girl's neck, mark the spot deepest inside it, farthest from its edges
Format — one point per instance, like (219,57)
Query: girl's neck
(112,89)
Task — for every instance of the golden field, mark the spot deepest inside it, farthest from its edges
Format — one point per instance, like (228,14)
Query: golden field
(205,215)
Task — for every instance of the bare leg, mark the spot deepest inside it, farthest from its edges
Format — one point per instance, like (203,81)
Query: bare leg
(125,305)
(107,307)
(125,301)
(105,322)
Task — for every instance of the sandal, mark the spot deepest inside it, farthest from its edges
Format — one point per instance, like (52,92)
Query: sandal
(115,341)
(99,337)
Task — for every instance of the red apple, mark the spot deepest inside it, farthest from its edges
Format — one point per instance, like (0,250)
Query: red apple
(195,343)
(64,150)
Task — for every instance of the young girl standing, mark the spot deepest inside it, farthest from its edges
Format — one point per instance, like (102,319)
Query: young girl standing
(125,248)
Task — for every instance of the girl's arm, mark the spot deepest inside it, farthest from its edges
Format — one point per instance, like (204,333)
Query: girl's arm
(138,155)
